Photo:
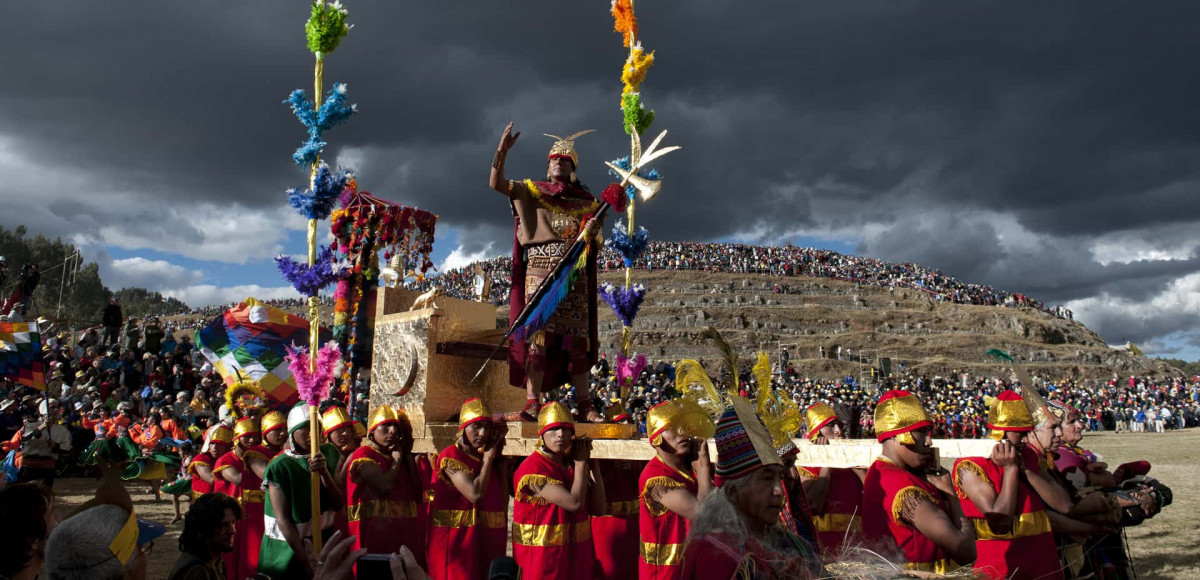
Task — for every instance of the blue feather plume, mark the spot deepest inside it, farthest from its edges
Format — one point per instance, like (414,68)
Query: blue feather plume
(309,280)
(332,111)
(558,290)
(630,247)
(317,203)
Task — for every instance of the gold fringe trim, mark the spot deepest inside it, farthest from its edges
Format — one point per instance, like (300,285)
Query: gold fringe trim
(968,465)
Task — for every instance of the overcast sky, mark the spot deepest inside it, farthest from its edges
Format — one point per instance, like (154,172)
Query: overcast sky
(1041,147)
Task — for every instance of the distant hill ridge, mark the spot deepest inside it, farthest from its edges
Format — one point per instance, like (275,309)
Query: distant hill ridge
(814,301)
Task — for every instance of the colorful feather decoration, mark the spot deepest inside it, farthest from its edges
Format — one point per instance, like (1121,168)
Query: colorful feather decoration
(317,203)
(314,387)
(624,303)
(630,247)
(318,120)
(556,292)
(309,280)
(624,20)
(628,370)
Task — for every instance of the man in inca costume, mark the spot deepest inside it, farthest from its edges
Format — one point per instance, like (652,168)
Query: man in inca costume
(549,216)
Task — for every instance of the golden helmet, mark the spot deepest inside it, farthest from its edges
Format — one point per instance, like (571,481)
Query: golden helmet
(334,418)
(473,411)
(244,427)
(816,416)
(273,420)
(898,414)
(554,415)
(382,415)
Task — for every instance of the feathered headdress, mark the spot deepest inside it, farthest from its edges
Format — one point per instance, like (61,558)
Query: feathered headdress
(780,415)
(693,383)
(728,356)
(242,396)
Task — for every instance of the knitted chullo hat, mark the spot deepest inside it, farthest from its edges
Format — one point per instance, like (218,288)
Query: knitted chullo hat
(743,443)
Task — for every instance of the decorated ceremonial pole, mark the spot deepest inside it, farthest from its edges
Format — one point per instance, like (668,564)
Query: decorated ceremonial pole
(324,31)
(626,240)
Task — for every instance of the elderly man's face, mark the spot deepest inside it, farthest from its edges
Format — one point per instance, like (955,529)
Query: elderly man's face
(761,498)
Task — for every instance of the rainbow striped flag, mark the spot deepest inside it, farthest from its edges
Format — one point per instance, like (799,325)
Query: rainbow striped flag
(21,354)
(250,340)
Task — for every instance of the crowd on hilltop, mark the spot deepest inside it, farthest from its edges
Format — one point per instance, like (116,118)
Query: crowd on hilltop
(956,405)
(784,261)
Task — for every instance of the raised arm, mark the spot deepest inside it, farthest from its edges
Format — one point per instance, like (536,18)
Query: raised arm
(497,181)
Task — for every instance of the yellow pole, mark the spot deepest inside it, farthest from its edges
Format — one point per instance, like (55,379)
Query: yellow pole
(626,331)
(314,331)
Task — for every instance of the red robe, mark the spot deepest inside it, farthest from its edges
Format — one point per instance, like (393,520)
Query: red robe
(549,542)
(464,537)
(840,524)
(663,533)
(884,492)
(383,523)
(1025,552)
(199,486)
(242,562)
(615,534)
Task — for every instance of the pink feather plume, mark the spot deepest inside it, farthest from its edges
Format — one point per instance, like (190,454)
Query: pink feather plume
(628,370)
(313,387)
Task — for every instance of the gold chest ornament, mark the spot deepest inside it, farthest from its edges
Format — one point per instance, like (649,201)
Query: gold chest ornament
(566,226)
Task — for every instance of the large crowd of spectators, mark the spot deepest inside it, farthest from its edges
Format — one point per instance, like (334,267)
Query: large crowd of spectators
(786,261)
(957,404)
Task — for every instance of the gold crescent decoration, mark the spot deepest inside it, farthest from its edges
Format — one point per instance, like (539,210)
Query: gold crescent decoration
(413,367)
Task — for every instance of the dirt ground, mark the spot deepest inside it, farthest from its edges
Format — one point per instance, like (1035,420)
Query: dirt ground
(1163,548)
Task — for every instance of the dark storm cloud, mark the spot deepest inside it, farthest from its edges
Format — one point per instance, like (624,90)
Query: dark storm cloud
(996,141)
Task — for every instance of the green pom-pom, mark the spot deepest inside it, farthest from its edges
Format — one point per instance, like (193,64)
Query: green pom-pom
(635,114)
(326,27)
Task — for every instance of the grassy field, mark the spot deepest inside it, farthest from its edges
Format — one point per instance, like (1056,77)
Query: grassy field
(1163,548)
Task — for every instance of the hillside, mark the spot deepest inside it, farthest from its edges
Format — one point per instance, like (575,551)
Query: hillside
(871,322)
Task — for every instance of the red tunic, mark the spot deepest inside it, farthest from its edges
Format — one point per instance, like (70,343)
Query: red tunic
(615,534)
(464,537)
(1025,552)
(242,562)
(383,523)
(199,486)
(663,532)
(887,487)
(549,542)
(840,523)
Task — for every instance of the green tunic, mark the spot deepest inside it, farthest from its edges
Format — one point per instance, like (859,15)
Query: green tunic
(290,472)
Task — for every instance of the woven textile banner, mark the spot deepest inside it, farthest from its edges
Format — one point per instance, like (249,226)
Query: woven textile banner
(21,354)
(250,339)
